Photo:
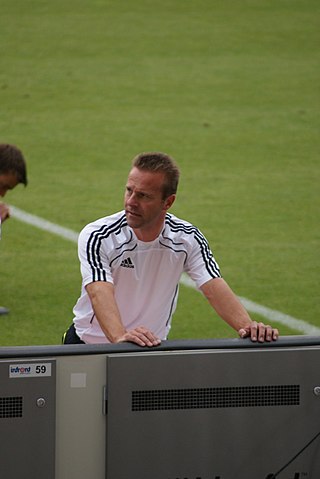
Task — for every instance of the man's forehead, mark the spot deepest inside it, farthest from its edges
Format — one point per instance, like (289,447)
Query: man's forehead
(145,179)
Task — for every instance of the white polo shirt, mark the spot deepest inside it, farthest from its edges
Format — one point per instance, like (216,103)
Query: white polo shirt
(145,275)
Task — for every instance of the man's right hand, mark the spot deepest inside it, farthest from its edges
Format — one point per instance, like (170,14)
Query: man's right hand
(141,336)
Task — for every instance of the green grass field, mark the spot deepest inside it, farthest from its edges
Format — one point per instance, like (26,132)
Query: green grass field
(229,89)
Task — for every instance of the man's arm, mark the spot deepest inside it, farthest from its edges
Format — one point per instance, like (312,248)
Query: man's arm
(230,309)
(107,313)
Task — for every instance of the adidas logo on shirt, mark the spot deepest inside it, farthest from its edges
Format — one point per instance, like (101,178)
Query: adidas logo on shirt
(127,263)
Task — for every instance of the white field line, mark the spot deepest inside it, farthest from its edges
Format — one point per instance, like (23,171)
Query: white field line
(43,224)
(270,314)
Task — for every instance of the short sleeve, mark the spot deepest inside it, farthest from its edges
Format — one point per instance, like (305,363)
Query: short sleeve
(94,262)
(201,265)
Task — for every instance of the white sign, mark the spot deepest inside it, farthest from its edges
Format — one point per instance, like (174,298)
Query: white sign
(32,370)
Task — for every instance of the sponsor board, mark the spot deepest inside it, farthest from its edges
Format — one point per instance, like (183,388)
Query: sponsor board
(30,370)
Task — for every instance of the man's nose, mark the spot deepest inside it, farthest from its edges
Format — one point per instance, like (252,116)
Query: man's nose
(132,199)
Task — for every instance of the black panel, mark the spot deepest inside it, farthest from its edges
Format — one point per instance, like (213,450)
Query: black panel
(201,398)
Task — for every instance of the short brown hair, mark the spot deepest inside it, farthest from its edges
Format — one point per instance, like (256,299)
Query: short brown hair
(162,163)
(12,161)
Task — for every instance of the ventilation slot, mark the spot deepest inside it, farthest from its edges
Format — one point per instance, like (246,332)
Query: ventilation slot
(11,407)
(224,397)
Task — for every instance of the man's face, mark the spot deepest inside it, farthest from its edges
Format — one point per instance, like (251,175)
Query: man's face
(7,182)
(144,205)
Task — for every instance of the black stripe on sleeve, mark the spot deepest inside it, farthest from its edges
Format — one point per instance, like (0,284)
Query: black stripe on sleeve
(94,246)
(206,253)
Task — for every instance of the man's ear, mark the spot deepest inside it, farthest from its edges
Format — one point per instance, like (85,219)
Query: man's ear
(169,202)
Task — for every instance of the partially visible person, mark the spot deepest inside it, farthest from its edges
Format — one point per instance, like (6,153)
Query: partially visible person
(13,171)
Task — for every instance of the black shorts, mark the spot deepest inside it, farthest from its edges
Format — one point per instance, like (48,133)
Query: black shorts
(71,337)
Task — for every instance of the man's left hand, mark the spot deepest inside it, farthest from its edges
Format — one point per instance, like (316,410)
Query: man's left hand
(259,332)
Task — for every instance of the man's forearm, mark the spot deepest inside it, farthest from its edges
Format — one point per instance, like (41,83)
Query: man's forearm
(107,313)
(106,310)
(226,304)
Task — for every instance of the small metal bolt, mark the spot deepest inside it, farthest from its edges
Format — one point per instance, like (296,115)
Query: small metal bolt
(316,390)
(41,402)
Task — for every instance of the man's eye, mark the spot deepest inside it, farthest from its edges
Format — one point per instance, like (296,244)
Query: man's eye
(144,196)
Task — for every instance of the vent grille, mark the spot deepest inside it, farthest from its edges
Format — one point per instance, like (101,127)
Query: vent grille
(11,407)
(222,397)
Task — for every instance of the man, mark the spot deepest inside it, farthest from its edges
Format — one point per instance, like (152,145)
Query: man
(12,171)
(132,261)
